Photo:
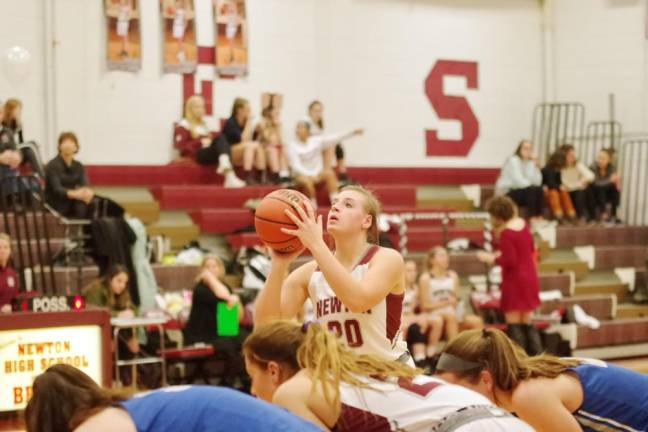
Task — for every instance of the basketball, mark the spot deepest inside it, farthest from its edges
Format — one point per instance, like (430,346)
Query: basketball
(270,217)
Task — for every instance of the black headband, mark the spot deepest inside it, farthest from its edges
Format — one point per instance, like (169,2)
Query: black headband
(451,363)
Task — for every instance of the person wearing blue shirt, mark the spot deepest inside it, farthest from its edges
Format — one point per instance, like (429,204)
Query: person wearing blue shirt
(66,399)
(547,392)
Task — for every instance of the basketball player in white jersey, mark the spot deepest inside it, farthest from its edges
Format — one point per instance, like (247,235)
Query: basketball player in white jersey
(357,291)
(309,372)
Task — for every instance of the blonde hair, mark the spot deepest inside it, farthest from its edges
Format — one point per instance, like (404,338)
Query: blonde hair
(219,263)
(189,114)
(5,237)
(430,256)
(10,107)
(319,351)
(371,206)
(506,361)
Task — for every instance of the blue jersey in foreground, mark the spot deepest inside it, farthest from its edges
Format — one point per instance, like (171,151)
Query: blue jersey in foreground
(213,409)
(614,398)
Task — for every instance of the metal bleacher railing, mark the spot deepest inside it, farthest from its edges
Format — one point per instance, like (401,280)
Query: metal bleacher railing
(24,218)
(556,123)
(633,166)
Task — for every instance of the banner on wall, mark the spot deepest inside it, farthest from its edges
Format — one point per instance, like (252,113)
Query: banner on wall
(180,52)
(124,47)
(27,353)
(231,37)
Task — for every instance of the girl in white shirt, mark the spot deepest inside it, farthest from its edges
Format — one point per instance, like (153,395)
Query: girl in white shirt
(306,161)
(316,121)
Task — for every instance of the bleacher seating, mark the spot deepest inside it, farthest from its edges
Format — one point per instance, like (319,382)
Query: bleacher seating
(590,282)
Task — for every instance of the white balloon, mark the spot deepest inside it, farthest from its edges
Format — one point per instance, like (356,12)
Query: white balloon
(16,64)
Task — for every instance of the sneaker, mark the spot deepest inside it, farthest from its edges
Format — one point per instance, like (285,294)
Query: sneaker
(231,181)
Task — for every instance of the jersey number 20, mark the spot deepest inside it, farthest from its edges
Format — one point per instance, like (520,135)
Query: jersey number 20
(349,329)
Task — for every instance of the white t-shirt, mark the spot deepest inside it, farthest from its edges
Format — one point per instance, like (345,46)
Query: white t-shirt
(305,158)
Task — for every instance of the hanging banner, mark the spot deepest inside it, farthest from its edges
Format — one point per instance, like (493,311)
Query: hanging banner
(180,53)
(124,47)
(231,38)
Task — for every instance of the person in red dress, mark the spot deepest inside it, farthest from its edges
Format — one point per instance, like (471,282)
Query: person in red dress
(520,285)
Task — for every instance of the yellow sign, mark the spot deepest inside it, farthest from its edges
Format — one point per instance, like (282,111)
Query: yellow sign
(25,354)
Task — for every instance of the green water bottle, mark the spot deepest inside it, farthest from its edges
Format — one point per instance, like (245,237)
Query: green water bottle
(227,321)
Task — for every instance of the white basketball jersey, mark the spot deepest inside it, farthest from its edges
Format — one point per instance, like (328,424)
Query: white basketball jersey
(376,331)
(408,405)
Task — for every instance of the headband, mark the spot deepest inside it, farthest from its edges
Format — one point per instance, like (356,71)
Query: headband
(451,363)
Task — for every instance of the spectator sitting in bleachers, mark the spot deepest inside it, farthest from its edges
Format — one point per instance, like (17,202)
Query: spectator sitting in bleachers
(8,277)
(421,331)
(238,130)
(12,154)
(193,139)
(556,193)
(66,184)
(269,134)
(10,157)
(316,122)
(306,161)
(12,119)
(575,178)
(605,187)
(521,180)
(202,325)
(439,294)
(111,292)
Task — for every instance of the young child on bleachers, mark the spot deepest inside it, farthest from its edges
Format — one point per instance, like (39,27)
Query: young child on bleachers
(307,163)
(439,294)
(605,189)
(8,276)
(556,194)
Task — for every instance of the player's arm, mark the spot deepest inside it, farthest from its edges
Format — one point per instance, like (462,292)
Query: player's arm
(532,400)
(282,297)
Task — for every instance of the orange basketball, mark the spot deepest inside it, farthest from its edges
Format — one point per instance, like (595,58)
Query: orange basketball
(270,217)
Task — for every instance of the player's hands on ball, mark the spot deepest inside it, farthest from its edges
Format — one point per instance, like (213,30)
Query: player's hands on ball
(309,225)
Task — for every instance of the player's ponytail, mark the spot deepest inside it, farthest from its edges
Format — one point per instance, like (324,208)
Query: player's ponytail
(319,351)
(490,349)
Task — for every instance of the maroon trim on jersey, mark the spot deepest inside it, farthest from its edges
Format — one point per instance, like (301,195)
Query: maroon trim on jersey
(353,419)
(419,389)
(394,311)
(369,254)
